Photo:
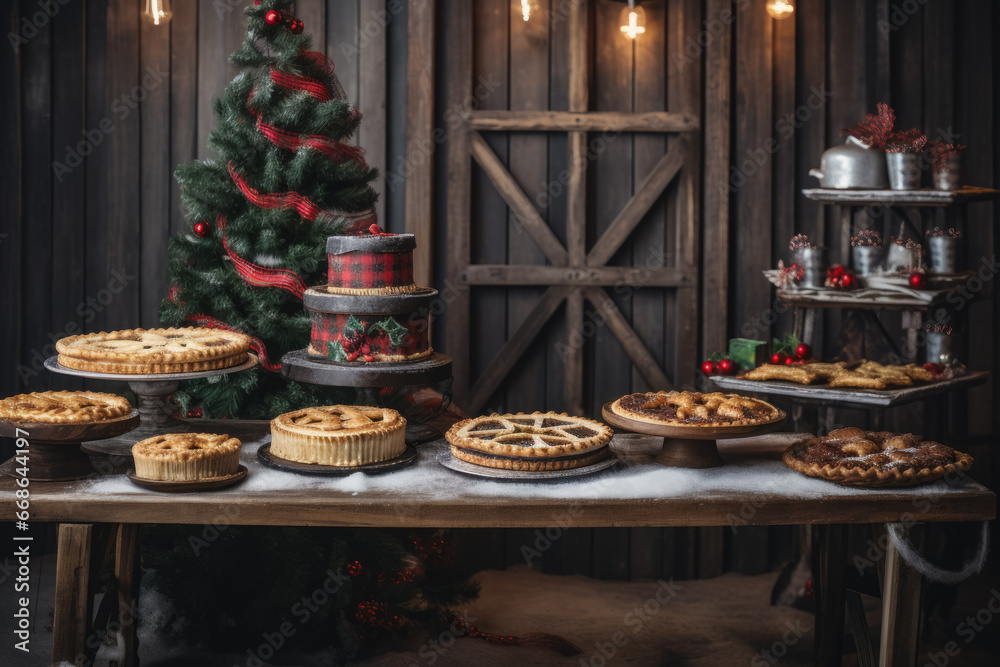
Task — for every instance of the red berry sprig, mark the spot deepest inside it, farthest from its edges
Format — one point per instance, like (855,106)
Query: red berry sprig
(717,364)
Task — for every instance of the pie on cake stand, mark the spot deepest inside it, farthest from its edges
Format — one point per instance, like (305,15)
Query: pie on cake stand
(54,452)
(152,390)
(692,424)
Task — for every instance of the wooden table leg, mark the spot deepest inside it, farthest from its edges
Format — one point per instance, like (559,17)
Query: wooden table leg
(829,561)
(900,605)
(72,607)
(126,574)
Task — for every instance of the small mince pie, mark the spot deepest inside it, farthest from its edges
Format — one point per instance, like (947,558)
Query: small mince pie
(691,408)
(538,441)
(874,458)
(185,457)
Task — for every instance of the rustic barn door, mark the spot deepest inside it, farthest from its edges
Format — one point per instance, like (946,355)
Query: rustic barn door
(628,229)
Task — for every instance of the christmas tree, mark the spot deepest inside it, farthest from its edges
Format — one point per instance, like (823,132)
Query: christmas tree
(283,179)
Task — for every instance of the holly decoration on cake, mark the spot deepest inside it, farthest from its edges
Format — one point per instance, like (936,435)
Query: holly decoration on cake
(356,340)
(283,179)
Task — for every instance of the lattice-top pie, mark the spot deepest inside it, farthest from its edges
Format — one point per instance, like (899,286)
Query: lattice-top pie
(338,435)
(874,458)
(63,407)
(138,351)
(537,441)
(691,408)
(186,456)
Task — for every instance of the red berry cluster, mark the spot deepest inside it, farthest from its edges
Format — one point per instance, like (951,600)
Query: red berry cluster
(722,367)
(802,353)
(839,277)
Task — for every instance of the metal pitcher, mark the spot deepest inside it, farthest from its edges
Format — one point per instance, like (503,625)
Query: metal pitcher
(853,165)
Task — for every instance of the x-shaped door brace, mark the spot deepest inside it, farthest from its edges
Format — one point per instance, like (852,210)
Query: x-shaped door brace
(574,274)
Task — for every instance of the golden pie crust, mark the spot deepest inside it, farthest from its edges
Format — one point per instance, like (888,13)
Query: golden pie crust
(855,457)
(536,442)
(140,351)
(692,408)
(63,407)
(867,375)
(184,457)
(338,435)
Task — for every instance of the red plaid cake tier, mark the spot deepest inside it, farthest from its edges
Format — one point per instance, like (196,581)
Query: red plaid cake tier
(383,328)
(370,264)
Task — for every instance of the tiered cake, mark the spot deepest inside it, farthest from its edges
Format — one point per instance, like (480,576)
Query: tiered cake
(370,310)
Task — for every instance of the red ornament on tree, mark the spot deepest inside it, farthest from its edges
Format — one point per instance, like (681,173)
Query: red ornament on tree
(296,27)
(201,229)
(272,17)
(918,281)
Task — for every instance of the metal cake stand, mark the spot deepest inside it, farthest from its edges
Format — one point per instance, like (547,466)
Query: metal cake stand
(155,411)
(690,446)
(299,366)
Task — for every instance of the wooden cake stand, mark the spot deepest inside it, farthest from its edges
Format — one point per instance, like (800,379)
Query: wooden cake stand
(54,452)
(689,446)
(155,410)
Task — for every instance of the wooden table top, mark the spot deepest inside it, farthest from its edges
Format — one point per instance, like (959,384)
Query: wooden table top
(753,488)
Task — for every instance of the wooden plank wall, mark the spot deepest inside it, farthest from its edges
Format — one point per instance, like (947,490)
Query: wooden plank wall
(64,236)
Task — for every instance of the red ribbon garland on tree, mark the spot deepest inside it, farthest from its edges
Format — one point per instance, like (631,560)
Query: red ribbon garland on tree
(304,84)
(335,151)
(256,344)
(294,200)
(259,275)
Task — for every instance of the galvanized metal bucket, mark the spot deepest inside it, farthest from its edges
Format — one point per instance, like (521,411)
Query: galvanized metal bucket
(814,264)
(904,170)
(865,259)
(900,258)
(937,345)
(942,250)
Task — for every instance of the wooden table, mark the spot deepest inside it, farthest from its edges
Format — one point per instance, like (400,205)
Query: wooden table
(754,488)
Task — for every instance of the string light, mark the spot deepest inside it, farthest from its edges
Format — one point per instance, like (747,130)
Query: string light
(633,17)
(780,9)
(157,12)
(525,9)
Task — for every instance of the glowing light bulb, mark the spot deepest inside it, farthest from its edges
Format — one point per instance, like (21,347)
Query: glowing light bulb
(525,9)
(780,9)
(633,20)
(157,12)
